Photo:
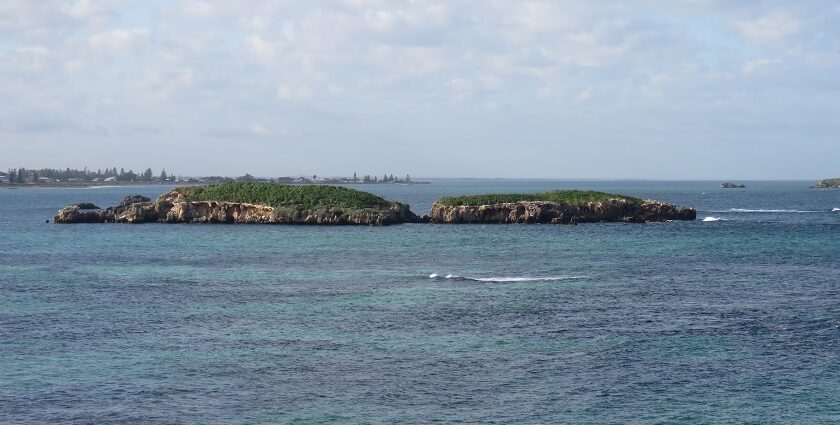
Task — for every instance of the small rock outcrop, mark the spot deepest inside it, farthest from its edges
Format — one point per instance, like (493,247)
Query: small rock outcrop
(615,210)
(732,186)
(827,184)
(171,207)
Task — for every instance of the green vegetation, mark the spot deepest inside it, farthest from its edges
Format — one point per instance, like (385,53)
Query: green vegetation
(567,196)
(278,195)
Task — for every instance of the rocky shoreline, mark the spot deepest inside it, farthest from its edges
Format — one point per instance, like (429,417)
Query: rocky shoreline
(171,207)
(616,210)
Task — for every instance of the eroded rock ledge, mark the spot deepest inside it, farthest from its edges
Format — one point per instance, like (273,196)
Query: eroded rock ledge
(616,210)
(171,207)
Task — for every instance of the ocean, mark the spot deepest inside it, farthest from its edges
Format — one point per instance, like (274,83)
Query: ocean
(731,319)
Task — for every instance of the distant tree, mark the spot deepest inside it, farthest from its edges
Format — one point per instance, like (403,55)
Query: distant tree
(122,172)
(21,177)
(35,177)
(375,179)
(314,177)
(147,175)
(407,178)
(354,176)
(163,176)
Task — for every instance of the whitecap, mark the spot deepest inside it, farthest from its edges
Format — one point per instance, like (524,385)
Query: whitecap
(503,279)
(711,219)
(524,279)
(836,210)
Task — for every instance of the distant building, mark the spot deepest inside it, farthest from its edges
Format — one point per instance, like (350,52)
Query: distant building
(110,179)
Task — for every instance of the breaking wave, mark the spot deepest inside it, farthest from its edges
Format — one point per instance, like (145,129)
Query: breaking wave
(835,210)
(711,219)
(505,279)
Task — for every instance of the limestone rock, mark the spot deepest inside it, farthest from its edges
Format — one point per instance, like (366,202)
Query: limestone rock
(172,208)
(615,210)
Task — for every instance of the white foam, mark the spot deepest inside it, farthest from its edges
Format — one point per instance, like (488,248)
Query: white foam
(836,210)
(508,279)
(524,279)
(710,219)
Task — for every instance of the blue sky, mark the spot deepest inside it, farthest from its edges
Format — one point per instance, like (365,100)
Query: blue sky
(692,89)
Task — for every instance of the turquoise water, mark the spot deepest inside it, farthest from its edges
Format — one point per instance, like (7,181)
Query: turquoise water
(732,321)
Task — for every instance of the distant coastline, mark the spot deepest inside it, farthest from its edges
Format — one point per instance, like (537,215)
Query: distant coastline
(48,177)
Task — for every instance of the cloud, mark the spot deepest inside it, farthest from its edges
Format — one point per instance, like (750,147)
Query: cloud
(118,39)
(437,73)
(769,28)
(260,48)
(753,66)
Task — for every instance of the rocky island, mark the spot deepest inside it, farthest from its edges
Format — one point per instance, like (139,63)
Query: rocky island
(253,203)
(556,207)
(268,203)
(732,186)
(827,184)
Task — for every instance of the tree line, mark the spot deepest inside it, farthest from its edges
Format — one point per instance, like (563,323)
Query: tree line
(23,176)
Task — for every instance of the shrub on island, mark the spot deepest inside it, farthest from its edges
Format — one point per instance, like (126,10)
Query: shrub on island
(280,195)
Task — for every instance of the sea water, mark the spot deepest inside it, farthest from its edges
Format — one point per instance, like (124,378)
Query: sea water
(728,320)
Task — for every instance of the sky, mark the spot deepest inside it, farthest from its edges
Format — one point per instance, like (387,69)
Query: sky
(683,89)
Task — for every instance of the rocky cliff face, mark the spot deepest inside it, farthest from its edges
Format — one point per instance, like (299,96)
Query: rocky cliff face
(171,208)
(616,210)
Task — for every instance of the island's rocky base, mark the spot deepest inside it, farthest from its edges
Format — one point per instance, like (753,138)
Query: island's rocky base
(172,208)
(616,210)
(827,184)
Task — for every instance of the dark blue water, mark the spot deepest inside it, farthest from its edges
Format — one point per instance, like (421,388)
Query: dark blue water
(731,321)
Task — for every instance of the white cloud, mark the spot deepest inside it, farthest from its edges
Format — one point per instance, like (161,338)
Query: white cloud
(462,89)
(118,39)
(585,95)
(769,28)
(31,58)
(260,48)
(286,92)
(258,130)
(197,9)
(287,63)
(753,66)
